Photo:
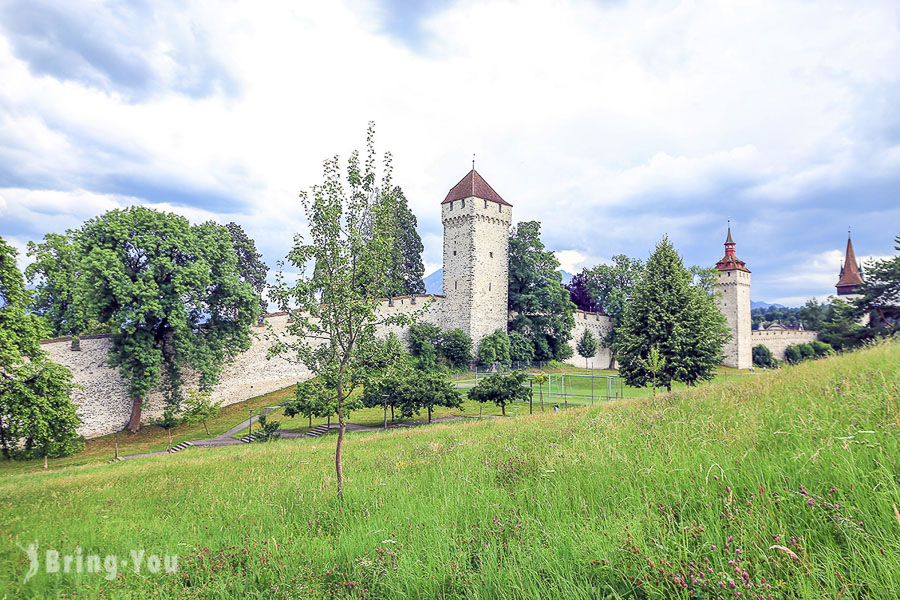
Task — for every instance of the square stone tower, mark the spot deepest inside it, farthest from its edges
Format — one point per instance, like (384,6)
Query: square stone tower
(476,257)
(734,282)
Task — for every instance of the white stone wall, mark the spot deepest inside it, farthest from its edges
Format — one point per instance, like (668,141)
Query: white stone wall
(735,305)
(105,405)
(778,341)
(476,266)
(599,325)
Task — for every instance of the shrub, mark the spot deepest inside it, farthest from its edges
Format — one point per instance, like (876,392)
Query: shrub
(806,351)
(494,348)
(821,348)
(456,348)
(792,355)
(520,347)
(763,357)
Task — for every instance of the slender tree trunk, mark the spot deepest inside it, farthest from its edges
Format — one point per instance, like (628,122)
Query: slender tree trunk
(134,423)
(503,409)
(541,389)
(310,421)
(205,427)
(392,414)
(429,414)
(338,466)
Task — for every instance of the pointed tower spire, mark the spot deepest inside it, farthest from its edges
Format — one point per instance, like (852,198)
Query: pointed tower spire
(730,261)
(851,275)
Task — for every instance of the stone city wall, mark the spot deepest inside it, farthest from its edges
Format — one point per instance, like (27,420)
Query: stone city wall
(778,341)
(599,325)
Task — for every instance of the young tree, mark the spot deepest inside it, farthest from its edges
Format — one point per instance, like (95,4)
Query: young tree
(172,295)
(456,348)
(668,311)
(881,292)
(543,310)
(36,416)
(335,310)
(501,389)
(586,346)
(494,348)
(610,287)
(250,265)
(199,408)
(310,400)
(540,379)
(655,364)
(428,390)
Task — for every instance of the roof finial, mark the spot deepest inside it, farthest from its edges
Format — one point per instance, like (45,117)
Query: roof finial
(473,161)
(848,232)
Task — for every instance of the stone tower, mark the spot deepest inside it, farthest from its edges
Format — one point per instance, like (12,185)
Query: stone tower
(734,282)
(476,257)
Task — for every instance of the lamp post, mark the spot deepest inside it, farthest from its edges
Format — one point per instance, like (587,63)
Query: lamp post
(385,397)
(251,423)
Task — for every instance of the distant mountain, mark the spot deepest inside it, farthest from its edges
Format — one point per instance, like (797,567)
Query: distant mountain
(434,283)
(755,304)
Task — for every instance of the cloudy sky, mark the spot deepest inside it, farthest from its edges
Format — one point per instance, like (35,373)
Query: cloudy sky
(611,122)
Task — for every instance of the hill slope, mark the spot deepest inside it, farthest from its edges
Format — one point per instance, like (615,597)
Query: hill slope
(782,484)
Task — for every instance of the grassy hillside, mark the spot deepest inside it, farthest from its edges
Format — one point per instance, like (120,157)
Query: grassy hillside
(782,486)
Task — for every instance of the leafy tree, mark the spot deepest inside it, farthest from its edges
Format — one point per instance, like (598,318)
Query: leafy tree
(792,355)
(456,348)
(580,292)
(424,340)
(678,317)
(199,408)
(36,416)
(841,328)
(501,389)
(610,287)
(335,310)
(268,430)
(812,314)
(655,364)
(520,348)
(310,400)
(587,346)
(250,265)
(541,378)
(172,295)
(821,349)
(542,308)
(881,292)
(806,351)
(763,357)
(406,270)
(494,348)
(54,274)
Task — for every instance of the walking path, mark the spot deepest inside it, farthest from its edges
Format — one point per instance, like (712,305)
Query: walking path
(226,439)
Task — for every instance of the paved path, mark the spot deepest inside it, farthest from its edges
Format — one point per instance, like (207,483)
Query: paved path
(226,439)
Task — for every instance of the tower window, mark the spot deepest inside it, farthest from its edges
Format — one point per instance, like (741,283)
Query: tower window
(485,203)
(451,205)
(492,254)
(500,206)
(454,253)
(489,287)
(455,285)
(463,202)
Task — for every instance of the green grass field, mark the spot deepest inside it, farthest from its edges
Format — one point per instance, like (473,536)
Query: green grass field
(777,486)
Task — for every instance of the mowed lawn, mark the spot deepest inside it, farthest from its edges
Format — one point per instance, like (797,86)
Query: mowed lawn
(776,486)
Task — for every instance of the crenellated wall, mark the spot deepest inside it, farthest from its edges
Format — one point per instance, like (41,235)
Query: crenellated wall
(599,325)
(779,340)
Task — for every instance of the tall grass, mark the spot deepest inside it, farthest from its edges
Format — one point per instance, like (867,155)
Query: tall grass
(781,486)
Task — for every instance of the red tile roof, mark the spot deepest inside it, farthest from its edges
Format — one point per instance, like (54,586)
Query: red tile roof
(471,185)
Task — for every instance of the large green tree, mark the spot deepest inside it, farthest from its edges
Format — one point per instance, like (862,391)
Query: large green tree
(881,292)
(37,417)
(334,306)
(250,264)
(609,288)
(171,293)
(55,273)
(501,389)
(405,273)
(670,311)
(543,311)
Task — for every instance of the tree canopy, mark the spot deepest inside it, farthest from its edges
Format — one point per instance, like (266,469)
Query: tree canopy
(881,292)
(250,265)
(541,305)
(501,389)
(406,269)
(172,295)
(37,417)
(669,311)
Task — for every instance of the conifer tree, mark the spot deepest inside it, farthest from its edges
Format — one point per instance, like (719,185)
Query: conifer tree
(668,311)
(587,346)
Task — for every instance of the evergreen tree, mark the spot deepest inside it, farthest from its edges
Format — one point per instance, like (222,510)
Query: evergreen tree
(405,273)
(677,316)
(171,293)
(250,265)
(542,308)
(841,326)
(36,416)
(587,346)
(881,293)
(610,287)
(812,314)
